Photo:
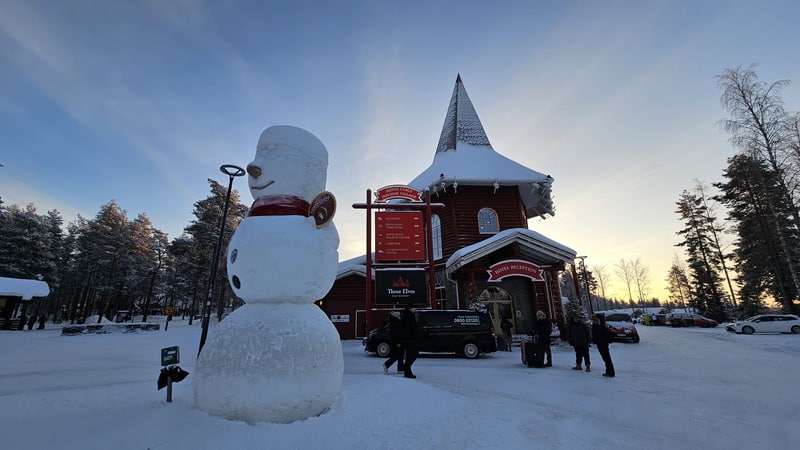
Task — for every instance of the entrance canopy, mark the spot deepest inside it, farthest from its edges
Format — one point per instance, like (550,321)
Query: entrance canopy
(532,246)
(19,287)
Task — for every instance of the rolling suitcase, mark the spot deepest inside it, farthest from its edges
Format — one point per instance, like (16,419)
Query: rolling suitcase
(532,354)
(522,347)
(538,355)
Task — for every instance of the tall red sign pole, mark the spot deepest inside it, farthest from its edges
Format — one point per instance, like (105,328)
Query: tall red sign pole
(370,291)
(429,251)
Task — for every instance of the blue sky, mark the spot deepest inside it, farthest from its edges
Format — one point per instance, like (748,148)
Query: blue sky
(142,101)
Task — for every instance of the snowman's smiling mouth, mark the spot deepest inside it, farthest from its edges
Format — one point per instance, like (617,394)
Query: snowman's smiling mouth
(263,186)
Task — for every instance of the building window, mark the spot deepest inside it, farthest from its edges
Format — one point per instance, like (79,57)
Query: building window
(487,221)
(436,231)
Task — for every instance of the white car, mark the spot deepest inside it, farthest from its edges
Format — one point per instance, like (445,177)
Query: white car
(767,323)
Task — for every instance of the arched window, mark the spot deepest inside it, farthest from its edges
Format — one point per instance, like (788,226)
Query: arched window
(436,231)
(487,221)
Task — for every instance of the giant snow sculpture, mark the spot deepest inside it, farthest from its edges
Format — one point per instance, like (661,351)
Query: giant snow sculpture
(278,358)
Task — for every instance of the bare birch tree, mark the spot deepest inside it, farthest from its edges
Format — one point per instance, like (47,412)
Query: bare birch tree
(624,272)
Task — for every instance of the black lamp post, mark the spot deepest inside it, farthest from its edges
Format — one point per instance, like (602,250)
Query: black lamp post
(231,171)
(586,283)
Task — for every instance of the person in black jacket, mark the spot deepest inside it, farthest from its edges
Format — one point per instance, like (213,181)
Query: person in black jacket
(409,339)
(506,326)
(395,342)
(542,331)
(601,339)
(579,336)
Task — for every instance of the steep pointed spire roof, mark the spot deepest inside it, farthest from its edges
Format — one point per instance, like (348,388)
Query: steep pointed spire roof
(465,156)
(461,123)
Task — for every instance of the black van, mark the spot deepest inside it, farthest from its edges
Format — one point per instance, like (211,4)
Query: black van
(465,332)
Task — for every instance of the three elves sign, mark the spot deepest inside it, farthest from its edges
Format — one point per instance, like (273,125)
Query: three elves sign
(515,267)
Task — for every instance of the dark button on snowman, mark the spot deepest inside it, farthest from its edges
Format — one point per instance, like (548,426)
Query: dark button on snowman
(278,358)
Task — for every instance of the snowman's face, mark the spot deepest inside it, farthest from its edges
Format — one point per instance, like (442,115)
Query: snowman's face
(283,171)
(289,161)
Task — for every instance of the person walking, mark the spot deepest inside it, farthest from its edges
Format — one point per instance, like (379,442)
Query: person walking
(506,326)
(542,330)
(409,340)
(395,342)
(602,339)
(579,336)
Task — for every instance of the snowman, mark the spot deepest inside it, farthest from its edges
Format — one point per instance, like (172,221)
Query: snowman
(278,358)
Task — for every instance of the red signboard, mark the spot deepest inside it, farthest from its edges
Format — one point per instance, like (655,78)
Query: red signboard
(398,191)
(515,267)
(399,236)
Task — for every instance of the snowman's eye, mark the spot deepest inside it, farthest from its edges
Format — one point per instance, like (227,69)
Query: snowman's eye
(234,253)
(236,283)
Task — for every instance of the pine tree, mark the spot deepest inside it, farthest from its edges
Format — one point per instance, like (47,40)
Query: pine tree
(204,232)
(678,284)
(573,309)
(762,130)
(765,233)
(706,294)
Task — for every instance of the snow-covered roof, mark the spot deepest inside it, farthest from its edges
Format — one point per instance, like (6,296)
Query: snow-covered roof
(465,156)
(532,244)
(353,266)
(19,287)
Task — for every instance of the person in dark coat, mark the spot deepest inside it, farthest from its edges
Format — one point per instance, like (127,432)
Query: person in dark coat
(601,339)
(42,320)
(395,342)
(542,331)
(31,322)
(506,326)
(579,336)
(409,339)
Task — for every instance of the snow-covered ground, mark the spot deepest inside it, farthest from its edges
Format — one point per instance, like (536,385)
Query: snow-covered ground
(678,388)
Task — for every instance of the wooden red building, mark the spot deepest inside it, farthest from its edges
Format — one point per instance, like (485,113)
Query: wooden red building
(483,250)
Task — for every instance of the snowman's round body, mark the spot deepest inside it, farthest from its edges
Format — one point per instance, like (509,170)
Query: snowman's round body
(278,358)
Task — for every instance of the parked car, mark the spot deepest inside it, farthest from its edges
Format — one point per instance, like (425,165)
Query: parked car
(621,327)
(465,332)
(767,323)
(689,320)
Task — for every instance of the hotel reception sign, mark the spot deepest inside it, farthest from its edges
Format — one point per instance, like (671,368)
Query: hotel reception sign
(515,267)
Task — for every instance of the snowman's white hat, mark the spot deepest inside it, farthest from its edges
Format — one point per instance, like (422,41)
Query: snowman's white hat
(287,136)
(288,160)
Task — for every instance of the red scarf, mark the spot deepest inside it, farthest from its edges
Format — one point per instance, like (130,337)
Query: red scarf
(279,205)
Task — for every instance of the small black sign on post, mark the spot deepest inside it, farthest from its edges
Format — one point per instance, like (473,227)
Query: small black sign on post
(170,356)
(170,371)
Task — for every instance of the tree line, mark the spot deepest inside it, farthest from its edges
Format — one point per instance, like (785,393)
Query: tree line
(110,263)
(740,236)
(742,240)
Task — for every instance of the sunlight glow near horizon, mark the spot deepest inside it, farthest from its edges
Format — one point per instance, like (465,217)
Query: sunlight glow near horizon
(141,102)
